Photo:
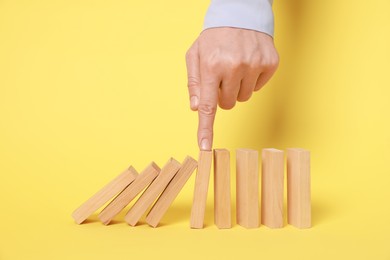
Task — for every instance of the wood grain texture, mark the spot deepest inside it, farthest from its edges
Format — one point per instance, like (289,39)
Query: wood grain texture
(222,193)
(298,188)
(247,188)
(129,193)
(152,192)
(171,191)
(272,181)
(104,195)
(201,188)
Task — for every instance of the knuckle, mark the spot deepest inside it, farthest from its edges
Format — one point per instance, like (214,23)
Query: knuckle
(236,64)
(212,61)
(272,62)
(269,61)
(276,61)
(193,82)
(213,65)
(255,65)
(206,131)
(207,109)
(189,55)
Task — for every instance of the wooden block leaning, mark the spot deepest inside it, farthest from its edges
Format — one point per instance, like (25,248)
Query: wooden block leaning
(222,196)
(201,188)
(104,195)
(152,192)
(129,193)
(247,188)
(272,188)
(171,191)
(298,188)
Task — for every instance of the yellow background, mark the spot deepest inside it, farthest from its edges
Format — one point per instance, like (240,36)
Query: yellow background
(89,87)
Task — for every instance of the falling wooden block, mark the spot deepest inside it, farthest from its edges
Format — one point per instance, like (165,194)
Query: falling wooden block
(129,193)
(104,195)
(272,188)
(298,188)
(152,192)
(201,188)
(171,191)
(247,188)
(222,196)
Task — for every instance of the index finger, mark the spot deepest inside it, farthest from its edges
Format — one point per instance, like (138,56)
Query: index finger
(207,109)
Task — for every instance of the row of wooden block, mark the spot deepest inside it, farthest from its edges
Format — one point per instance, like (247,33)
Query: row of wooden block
(161,187)
(247,188)
(272,187)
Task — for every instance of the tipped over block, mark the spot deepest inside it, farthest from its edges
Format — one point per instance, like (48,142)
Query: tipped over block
(152,192)
(222,195)
(201,188)
(298,188)
(104,195)
(272,188)
(171,191)
(247,188)
(129,193)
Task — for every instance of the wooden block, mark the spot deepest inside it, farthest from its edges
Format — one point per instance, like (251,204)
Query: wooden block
(129,193)
(201,188)
(222,196)
(298,188)
(247,188)
(104,195)
(152,192)
(171,191)
(272,188)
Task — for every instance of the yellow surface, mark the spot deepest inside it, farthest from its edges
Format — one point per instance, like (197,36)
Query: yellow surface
(89,87)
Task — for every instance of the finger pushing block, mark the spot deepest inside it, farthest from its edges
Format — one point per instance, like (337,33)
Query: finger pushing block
(201,188)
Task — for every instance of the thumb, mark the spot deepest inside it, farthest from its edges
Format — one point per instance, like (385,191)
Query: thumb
(193,75)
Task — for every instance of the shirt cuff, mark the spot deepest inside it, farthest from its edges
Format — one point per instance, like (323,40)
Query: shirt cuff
(247,14)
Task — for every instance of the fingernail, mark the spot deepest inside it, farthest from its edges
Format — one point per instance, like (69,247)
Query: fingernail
(205,145)
(194,102)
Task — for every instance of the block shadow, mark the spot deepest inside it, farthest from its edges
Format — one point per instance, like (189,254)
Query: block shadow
(176,213)
(322,211)
(91,219)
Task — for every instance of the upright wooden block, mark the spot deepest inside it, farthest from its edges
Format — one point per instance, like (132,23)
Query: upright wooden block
(298,188)
(152,192)
(104,195)
(171,191)
(272,188)
(222,196)
(129,193)
(247,188)
(201,188)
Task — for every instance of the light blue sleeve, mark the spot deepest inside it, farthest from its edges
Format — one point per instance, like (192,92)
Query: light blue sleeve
(248,14)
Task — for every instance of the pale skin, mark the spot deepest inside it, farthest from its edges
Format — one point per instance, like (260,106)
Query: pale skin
(225,65)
